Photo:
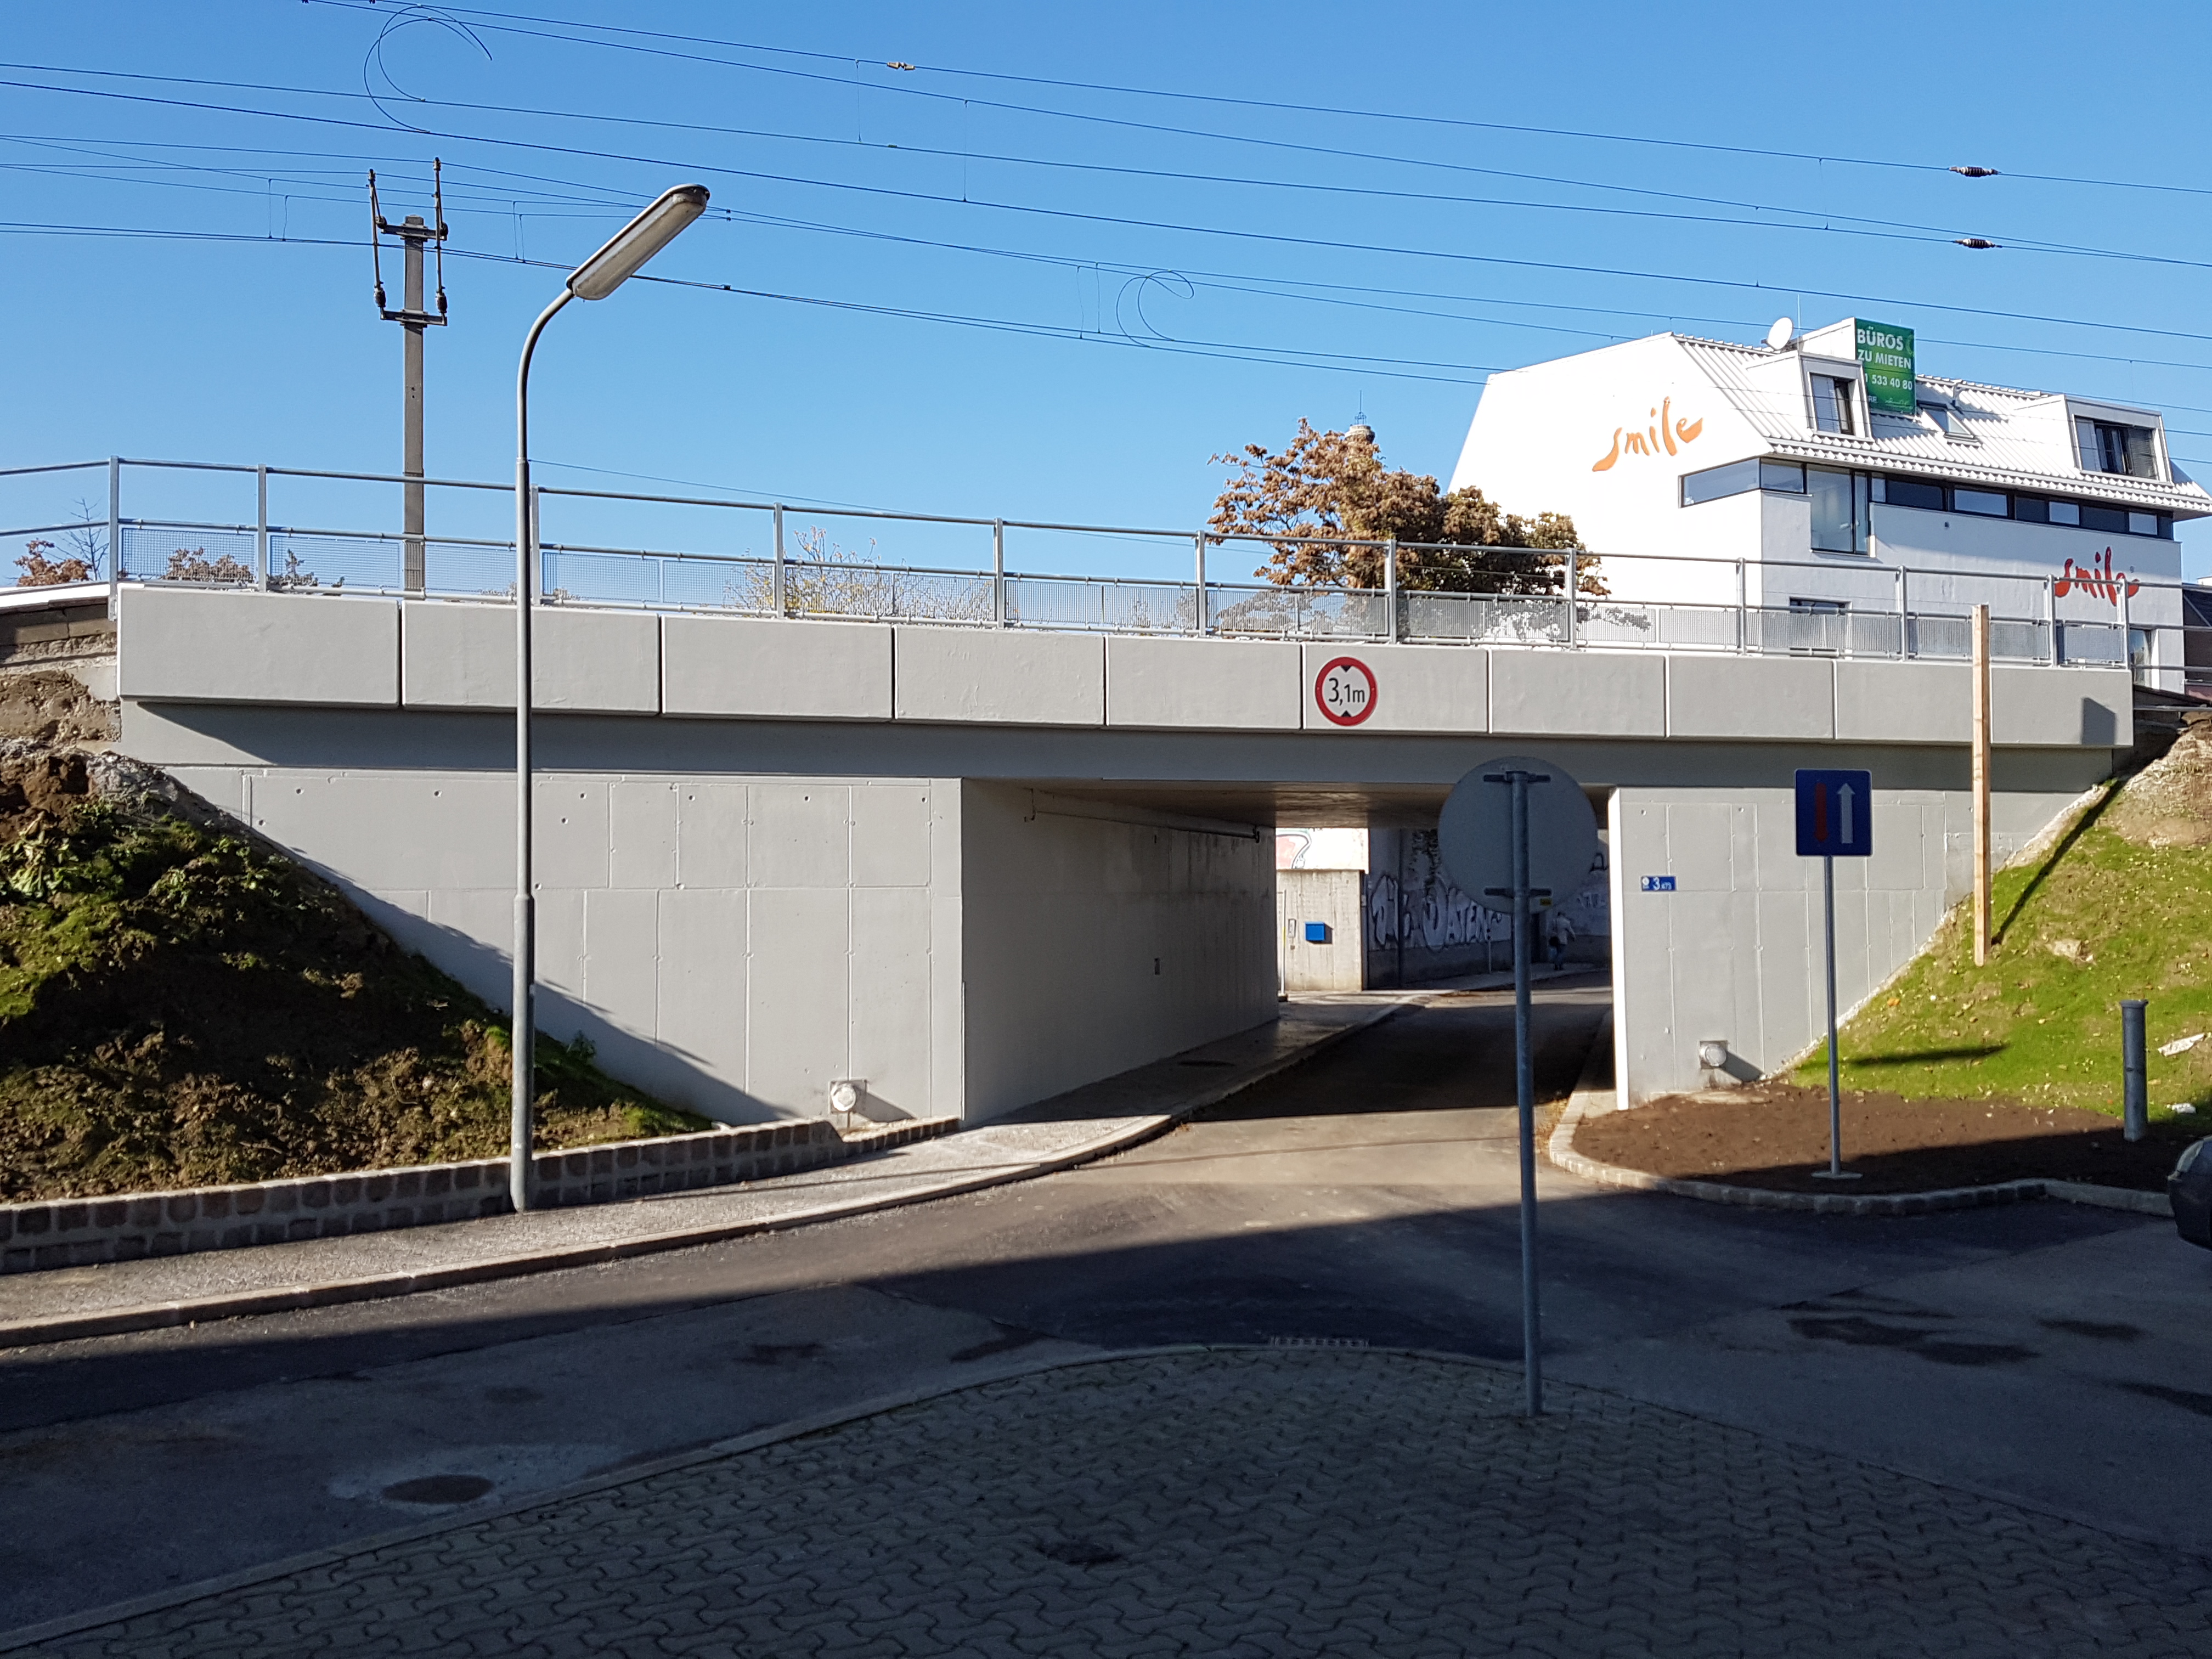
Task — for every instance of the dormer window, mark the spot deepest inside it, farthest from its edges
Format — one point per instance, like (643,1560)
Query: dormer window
(1832,405)
(2108,447)
(1939,415)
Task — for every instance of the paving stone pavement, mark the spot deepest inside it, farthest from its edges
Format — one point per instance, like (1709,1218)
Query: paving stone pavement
(1238,1504)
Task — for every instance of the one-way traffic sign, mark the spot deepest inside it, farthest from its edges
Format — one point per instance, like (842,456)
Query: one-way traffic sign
(1835,815)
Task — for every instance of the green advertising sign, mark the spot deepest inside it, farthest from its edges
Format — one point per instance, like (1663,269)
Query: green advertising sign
(1886,358)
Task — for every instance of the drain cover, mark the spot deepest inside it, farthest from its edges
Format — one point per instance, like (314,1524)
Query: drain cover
(438,1489)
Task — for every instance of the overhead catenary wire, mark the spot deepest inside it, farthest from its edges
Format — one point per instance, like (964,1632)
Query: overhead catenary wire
(611,202)
(1890,230)
(506,22)
(1280,356)
(1073,214)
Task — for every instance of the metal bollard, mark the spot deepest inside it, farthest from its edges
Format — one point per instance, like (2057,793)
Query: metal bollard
(2137,1097)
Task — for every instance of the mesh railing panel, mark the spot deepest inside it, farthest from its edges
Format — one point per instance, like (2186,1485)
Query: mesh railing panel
(1297,613)
(2091,642)
(461,567)
(1113,607)
(883,594)
(1484,618)
(331,562)
(157,553)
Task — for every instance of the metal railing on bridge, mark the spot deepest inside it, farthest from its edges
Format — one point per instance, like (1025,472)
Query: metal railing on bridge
(166,522)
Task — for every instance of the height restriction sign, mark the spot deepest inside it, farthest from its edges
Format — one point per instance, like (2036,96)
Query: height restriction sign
(1343,692)
(1835,815)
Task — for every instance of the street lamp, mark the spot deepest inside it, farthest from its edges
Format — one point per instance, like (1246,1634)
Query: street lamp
(597,278)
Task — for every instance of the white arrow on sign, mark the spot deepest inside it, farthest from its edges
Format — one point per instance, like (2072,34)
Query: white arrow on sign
(1843,808)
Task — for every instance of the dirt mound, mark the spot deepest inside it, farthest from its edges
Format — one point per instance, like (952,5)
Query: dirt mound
(38,786)
(1774,1135)
(181,1004)
(2169,802)
(51,707)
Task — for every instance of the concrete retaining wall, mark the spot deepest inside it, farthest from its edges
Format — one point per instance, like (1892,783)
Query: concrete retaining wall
(75,1232)
(1732,952)
(1097,938)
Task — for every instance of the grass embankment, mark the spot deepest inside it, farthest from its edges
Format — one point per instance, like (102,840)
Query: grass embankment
(2119,904)
(181,1005)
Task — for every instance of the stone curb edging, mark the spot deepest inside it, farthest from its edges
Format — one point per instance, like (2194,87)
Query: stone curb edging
(1561,1151)
(78,1232)
(116,1322)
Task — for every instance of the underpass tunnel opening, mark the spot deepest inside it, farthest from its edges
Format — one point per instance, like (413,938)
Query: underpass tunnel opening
(1370,906)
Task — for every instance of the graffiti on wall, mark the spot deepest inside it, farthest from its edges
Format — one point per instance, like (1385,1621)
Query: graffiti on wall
(1438,916)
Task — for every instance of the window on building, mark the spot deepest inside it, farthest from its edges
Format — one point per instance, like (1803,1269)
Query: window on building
(1939,415)
(1715,481)
(2031,509)
(1989,503)
(1832,404)
(1842,509)
(2143,524)
(2065,513)
(1914,492)
(2108,447)
(2104,520)
(1782,475)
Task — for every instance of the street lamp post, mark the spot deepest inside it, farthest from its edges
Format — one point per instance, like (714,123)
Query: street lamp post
(597,278)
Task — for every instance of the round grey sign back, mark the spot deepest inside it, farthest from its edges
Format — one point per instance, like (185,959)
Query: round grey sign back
(1475,836)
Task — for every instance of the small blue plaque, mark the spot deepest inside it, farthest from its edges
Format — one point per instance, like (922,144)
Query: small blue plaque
(1658,884)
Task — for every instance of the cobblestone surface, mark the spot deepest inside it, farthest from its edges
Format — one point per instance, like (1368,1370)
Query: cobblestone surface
(1234,1504)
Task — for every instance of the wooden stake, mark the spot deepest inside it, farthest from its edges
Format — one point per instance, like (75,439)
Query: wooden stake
(1981,631)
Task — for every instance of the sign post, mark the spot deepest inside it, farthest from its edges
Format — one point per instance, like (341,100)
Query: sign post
(1515,834)
(1835,820)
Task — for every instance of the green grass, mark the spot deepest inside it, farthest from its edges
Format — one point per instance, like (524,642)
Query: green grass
(2034,1025)
(181,1006)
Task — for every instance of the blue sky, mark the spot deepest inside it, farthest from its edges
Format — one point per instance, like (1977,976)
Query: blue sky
(1143,280)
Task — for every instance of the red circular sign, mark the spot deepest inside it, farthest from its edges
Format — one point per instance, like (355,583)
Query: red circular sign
(1343,692)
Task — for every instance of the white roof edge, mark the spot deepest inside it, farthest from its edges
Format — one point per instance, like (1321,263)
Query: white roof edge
(52,598)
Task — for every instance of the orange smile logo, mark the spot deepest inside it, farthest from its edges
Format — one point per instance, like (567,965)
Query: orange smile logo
(2098,578)
(1669,434)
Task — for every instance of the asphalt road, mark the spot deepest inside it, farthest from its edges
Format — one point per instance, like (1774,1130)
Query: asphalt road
(2056,1356)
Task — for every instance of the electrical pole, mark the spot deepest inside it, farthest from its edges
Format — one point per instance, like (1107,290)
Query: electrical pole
(413,318)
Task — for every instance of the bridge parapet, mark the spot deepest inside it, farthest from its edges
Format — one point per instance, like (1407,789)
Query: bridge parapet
(182,645)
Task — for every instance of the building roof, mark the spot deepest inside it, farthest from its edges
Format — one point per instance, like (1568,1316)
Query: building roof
(1997,446)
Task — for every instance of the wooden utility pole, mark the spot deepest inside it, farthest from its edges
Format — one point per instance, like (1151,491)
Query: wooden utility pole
(1981,631)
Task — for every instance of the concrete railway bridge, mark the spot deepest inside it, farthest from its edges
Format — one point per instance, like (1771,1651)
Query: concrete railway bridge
(977,865)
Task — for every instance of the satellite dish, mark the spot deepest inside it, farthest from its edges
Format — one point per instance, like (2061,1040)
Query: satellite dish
(1780,334)
(1475,835)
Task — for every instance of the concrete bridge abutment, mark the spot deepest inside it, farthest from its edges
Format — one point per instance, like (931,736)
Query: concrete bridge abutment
(977,867)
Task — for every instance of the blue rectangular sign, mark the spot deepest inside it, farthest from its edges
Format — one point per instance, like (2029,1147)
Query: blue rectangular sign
(1658,884)
(1835,815)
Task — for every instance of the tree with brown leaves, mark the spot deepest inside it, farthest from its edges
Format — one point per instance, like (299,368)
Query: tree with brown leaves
(1324,485)
(39,571)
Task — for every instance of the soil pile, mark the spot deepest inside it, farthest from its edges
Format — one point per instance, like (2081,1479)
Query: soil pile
(47,705)
(182,1004)
(1774,1135)
(2169,802)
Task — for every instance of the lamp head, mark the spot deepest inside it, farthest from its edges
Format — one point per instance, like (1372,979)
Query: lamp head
(637,241)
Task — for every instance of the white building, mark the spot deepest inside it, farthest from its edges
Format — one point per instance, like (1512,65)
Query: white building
(1819,495)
